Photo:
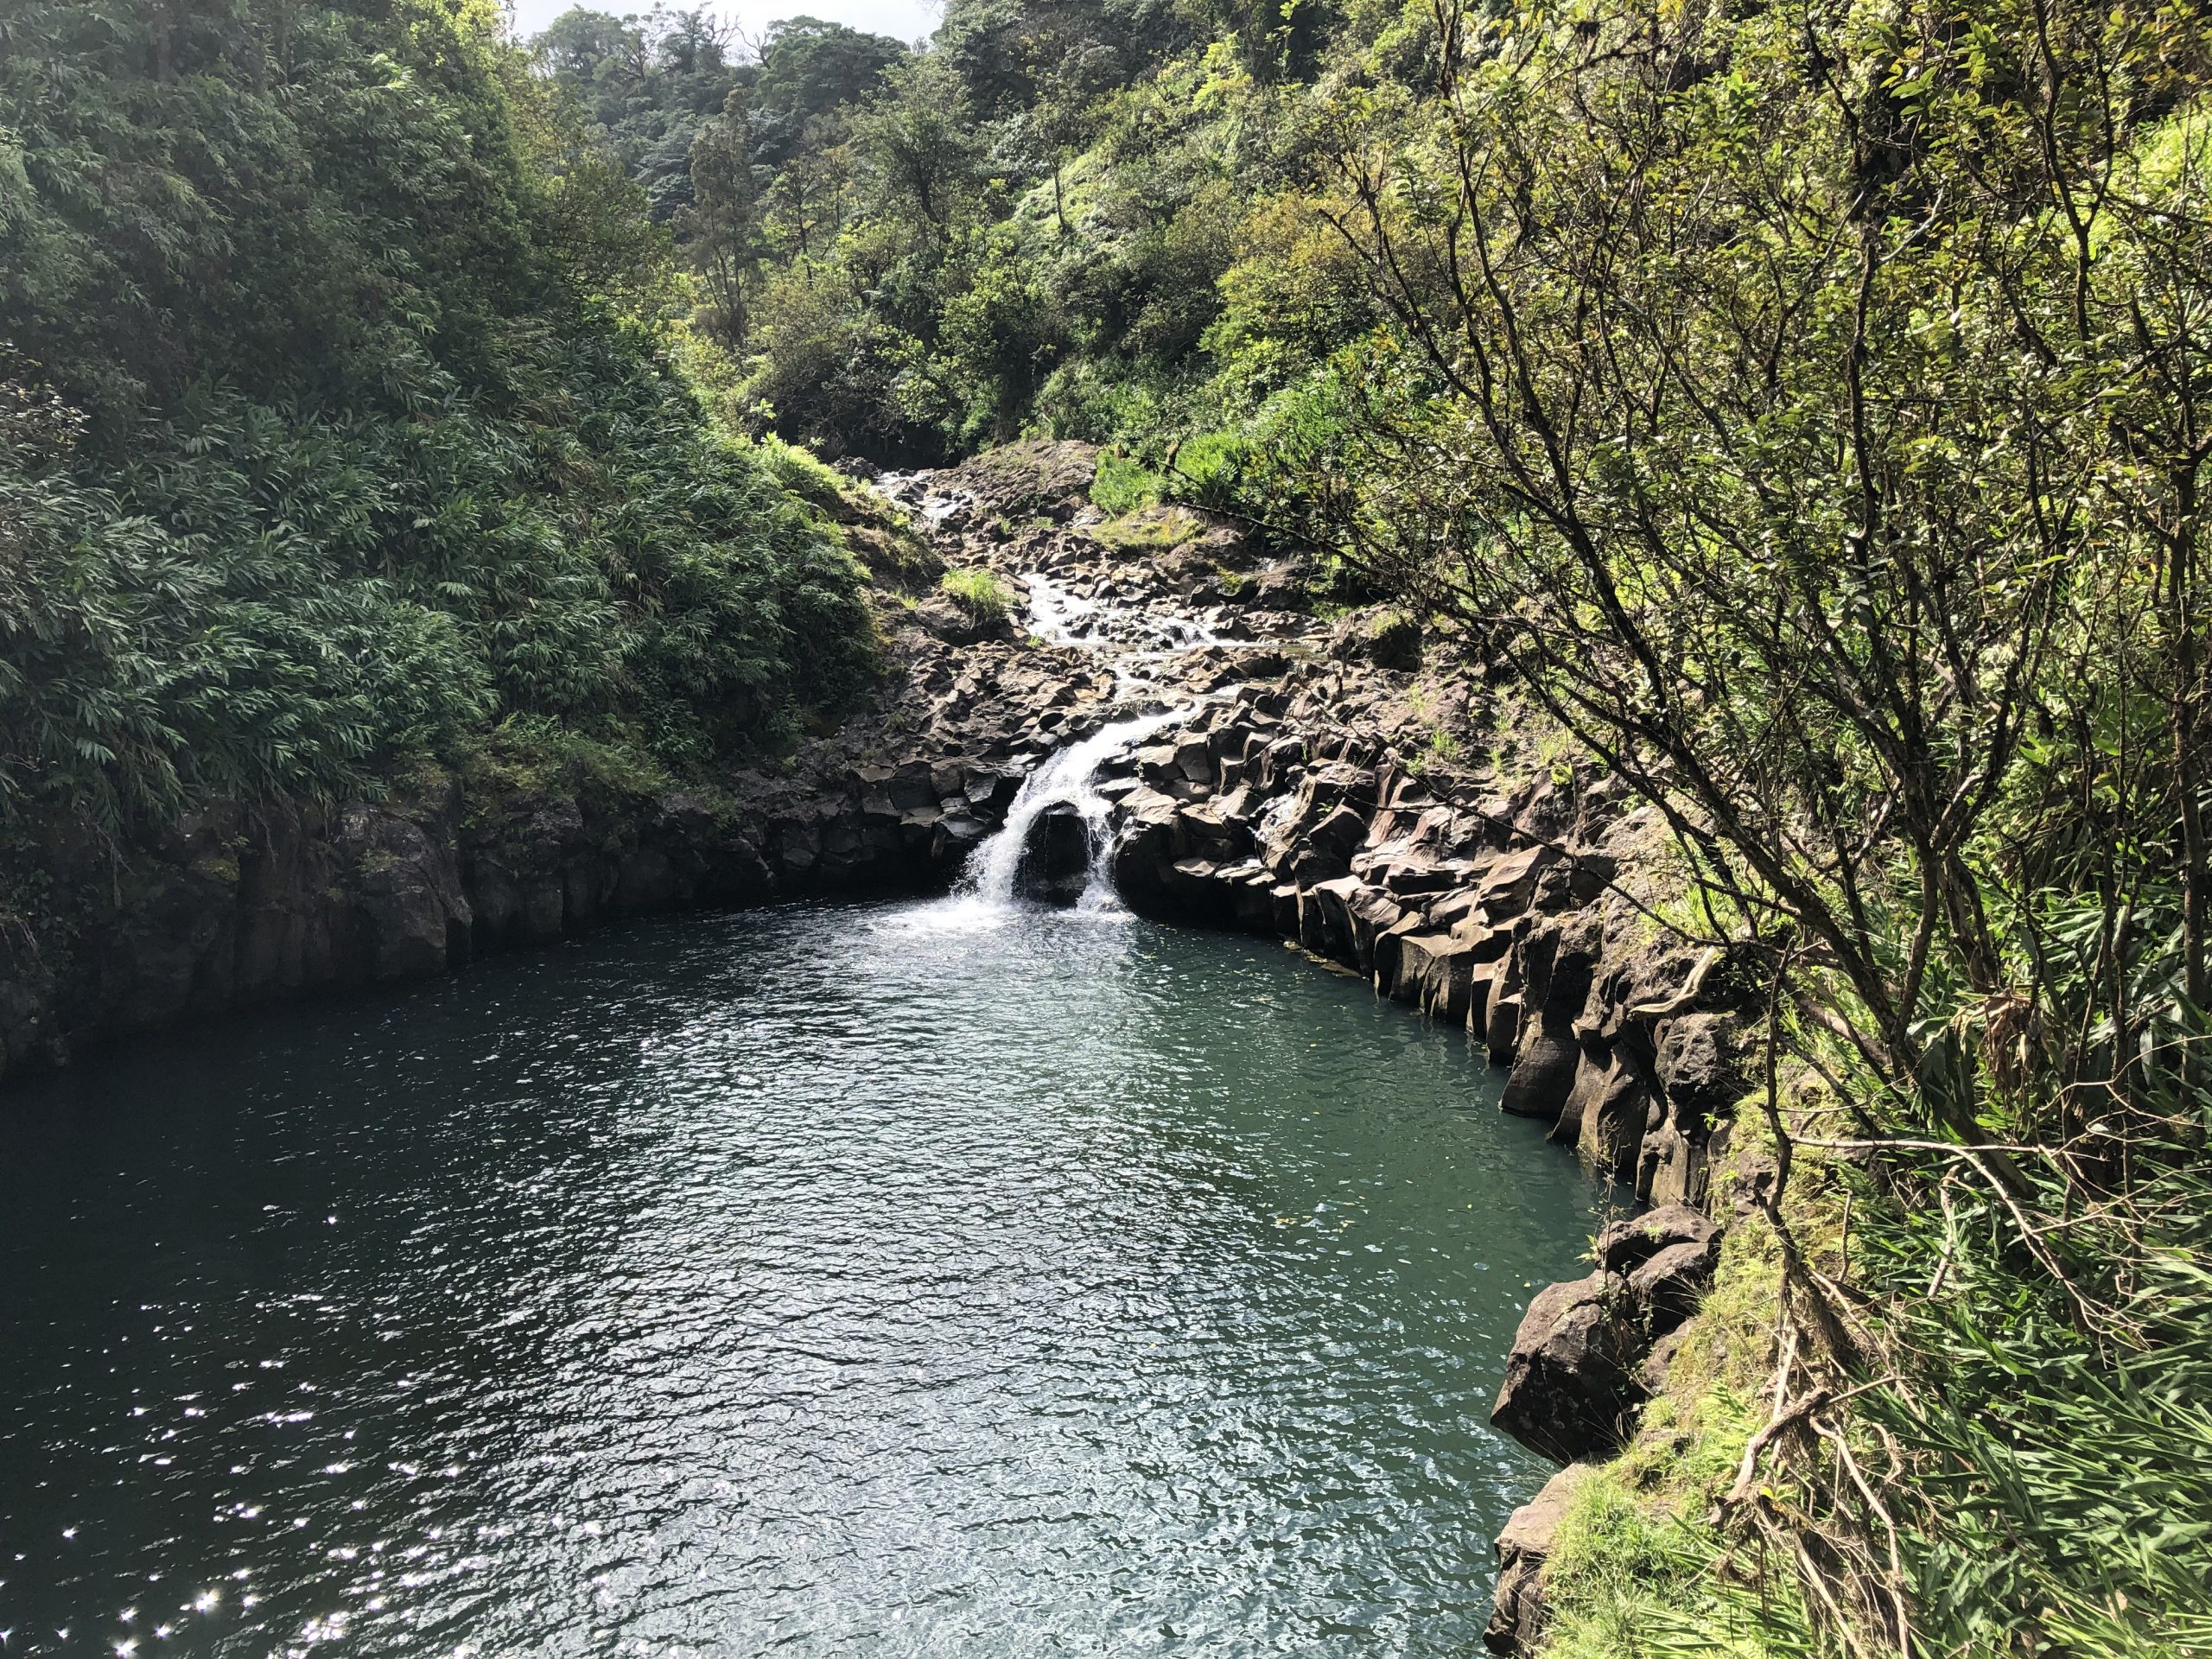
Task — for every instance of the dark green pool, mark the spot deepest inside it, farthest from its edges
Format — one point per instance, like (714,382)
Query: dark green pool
(832,1281)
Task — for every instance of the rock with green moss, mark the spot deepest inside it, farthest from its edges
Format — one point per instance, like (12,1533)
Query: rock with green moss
(1517,1619)
(1387,638)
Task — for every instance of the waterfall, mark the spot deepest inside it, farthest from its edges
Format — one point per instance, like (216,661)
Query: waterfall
(1065,778)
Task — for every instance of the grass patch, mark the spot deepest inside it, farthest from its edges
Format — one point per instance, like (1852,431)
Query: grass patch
(1152,529)
(979,592)
(1122,486)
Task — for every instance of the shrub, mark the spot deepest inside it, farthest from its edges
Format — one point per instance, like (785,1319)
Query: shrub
(1122,485)
(979,592)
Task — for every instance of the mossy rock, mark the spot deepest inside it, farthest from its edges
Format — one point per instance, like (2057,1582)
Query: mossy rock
(1379,634)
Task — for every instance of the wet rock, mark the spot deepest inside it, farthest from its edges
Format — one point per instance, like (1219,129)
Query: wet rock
(411,914)
(1056,859)
(1571,1387)
(644,881)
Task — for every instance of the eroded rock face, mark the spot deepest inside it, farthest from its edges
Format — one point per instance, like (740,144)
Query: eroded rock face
(1570,1389)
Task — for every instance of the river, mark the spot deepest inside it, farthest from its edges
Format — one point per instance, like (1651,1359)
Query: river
(933,1278)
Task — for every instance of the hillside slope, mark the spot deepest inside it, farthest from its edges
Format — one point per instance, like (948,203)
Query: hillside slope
(342,425)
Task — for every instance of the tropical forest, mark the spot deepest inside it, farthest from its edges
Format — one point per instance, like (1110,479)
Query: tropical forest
(1351,827)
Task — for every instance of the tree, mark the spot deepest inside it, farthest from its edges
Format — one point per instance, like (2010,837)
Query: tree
(808,71)
(805,201)
(917,143)
(722,226)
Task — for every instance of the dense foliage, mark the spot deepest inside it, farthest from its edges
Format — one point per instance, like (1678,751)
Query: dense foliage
(340,421)
(1805,408)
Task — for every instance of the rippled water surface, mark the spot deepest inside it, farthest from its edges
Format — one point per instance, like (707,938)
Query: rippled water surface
(835,1281)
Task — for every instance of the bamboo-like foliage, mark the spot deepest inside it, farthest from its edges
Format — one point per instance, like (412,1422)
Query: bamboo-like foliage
(340,423)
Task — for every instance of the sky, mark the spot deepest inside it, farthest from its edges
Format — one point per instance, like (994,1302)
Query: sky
(904,20)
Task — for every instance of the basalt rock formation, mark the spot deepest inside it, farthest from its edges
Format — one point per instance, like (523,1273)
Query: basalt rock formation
(1307,784)
(1516,1621)
(1312,794)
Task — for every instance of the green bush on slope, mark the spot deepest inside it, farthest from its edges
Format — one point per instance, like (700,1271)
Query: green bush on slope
(2051,1493)
(339,423)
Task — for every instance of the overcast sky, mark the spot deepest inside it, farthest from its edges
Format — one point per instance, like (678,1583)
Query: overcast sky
(904,20)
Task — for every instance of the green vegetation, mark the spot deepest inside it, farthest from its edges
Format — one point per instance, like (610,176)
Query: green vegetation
(1802,409)
(980,593)
(1123,486)
(343,420)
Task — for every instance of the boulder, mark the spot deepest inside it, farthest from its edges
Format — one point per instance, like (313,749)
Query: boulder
(1556,963)
(1660,1361)
(1056,857)
(1502,1029)
(1669,1286)
(1386,638)
(1436,974)
(413,917)
(1571,1387)
(1674,1165)
(943,618)
(1337,835)
(1626,1245)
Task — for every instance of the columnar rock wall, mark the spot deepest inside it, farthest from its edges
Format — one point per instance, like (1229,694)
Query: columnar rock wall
(1492,913)
(1305,798)
(237,906)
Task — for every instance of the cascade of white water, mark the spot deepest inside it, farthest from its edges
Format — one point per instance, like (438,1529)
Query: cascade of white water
(1059,618)
(1064,780)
